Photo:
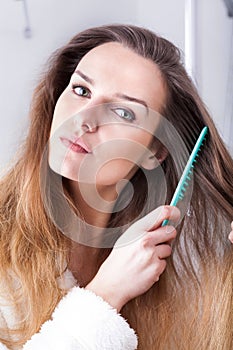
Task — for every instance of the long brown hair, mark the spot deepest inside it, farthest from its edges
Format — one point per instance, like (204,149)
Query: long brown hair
(191,306)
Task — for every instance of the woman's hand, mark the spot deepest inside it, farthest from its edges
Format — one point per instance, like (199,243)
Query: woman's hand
(231,233)
(130,270)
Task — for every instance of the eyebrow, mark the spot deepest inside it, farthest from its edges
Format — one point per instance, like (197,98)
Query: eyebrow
(84,76)
(119,95)
(133,99)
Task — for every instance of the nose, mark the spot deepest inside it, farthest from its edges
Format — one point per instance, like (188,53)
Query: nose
(88,127)
(90,118)
(86,120)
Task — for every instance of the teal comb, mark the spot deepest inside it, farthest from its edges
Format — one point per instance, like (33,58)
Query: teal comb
(188,170)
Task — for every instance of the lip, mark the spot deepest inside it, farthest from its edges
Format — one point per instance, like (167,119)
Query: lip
(77,145)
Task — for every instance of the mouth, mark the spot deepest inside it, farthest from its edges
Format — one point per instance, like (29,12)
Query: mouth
(76,146)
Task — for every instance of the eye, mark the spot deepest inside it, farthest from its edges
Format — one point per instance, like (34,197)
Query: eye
(81,91)
(125,114)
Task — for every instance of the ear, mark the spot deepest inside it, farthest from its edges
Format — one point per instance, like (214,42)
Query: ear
(159,154)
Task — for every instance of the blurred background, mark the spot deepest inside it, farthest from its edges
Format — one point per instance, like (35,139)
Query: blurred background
(30,30)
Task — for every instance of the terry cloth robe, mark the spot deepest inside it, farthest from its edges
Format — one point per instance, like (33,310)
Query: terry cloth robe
(81,321)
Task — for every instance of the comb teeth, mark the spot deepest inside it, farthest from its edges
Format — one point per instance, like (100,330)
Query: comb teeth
(188,171)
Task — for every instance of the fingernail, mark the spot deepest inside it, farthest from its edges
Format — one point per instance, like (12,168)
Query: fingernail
(169,229)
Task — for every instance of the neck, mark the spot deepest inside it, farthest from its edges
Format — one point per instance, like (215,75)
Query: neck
(95,208)
(84,262)
(95,205)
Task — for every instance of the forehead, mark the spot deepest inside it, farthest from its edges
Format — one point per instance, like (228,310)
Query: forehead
(119,69)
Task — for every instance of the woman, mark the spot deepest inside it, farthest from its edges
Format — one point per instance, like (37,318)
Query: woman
(124,70)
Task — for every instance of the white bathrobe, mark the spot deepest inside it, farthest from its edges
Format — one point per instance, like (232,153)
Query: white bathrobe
(81,320)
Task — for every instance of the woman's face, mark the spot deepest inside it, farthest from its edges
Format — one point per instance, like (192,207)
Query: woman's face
(102,125)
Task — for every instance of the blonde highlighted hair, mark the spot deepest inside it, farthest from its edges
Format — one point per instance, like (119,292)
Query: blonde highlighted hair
(191,306)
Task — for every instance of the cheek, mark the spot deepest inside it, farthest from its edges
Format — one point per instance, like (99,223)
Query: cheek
(123,157)
(144,138)
(129,133)
(122,148)
(114,171)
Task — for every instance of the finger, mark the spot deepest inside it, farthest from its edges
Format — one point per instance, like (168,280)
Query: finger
(170,241)
(160,235)
(232,225)
(167,212)
(163,251)
(155,218)
(231,236)
(160,269)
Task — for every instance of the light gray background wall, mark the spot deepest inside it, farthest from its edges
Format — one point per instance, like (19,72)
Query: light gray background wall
(54,22)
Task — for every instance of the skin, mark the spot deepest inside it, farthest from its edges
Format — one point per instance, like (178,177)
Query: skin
(124,143)
(231,233)
(142,261)
(110,71)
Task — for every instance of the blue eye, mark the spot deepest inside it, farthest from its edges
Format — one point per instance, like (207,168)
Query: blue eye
(125,114)
(81,91)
